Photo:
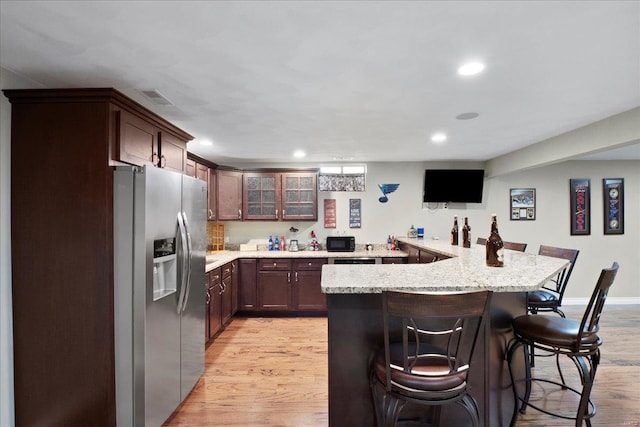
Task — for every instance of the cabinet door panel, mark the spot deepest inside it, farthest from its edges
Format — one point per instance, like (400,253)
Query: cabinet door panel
(247,284)
(229,195)
(262,196)
(137,140)
(274,290)
(226,309)
(300,197)
(173,153)
(309,294)
(212,213)
(190,168)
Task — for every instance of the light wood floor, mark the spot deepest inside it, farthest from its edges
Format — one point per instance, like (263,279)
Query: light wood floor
(273,372)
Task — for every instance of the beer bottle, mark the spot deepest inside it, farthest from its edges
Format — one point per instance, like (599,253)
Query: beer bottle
(495,246)
(454,232)
(466,234)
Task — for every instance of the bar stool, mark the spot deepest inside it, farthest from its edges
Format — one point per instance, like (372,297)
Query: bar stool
(560,336)
(549,298)
(430,366)
(515,246)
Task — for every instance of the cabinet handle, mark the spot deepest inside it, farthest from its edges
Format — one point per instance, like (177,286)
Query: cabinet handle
(162,165)
(210,213)
(233,267)
(288,277)
(208,297)
(154,158)
(239,213)
(221,290)
(284,213)
(296,276)
(276,213)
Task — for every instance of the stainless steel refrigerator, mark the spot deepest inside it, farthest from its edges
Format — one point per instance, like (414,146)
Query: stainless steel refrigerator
(159,306)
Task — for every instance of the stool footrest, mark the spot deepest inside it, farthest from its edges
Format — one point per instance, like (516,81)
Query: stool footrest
(590,414)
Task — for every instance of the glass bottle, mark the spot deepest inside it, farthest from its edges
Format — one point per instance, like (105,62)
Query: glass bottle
(454,232)
(466,234)
(270,243)
(495,246)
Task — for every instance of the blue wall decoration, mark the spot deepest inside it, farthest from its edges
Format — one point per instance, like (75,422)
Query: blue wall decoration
(386,189)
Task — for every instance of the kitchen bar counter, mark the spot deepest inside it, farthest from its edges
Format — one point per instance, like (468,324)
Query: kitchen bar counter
(217,259)
(465,270)
(355,327)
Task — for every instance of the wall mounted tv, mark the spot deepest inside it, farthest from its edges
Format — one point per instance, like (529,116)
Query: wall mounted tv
(453,185)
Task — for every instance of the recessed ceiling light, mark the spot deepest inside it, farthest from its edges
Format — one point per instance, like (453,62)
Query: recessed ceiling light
(467,116)
(438,137)
(299,154)
(470,68)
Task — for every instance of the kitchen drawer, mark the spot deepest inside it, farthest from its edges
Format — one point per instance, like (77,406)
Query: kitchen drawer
(214,277)
(226,270)
(314,264)
(274,264)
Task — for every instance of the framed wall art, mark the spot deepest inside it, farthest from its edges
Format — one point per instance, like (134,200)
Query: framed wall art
(355,213)
(523,204)
(613,201)
(580,200)
(329,213)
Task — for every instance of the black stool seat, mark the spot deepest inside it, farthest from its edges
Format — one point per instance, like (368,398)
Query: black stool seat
(541,297)
(430,373)
(555,332)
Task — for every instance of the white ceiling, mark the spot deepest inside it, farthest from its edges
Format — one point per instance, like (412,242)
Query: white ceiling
(361,80)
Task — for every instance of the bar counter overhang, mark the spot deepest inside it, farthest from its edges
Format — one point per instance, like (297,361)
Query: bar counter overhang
(355,325)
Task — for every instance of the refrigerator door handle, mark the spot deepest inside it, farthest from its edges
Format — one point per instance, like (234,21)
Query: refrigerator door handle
(189,255)
(185,262)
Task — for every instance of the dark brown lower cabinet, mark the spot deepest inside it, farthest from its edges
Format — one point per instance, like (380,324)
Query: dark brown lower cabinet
(274,284)
(290,285)
(215,302)
(394,260)
(227,294)
(308,294)
(247,284)
(417,255)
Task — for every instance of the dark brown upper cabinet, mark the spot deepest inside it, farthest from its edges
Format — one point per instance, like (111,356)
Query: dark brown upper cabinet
(280,196)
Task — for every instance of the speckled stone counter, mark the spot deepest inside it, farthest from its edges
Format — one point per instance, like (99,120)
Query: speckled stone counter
(355,327)
(465,270)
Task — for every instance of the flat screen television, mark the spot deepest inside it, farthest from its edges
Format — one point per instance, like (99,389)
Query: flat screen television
(453,185)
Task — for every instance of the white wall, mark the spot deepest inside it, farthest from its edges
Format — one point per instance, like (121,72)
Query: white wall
(8,80)
(551,226)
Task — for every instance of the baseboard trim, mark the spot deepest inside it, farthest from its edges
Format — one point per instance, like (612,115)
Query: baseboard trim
(610,301)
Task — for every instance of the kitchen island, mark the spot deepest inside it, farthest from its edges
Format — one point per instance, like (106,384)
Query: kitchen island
(355,324)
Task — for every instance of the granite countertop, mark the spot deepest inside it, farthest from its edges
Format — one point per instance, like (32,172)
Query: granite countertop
(217,259)
(464,271)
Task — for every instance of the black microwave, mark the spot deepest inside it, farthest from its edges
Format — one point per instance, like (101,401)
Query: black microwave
(341,243)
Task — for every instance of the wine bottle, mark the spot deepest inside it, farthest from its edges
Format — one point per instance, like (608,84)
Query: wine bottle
(454,232)
(466,234)
(495,246)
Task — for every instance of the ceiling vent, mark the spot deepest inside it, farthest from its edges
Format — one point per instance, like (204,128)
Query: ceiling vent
(156,97)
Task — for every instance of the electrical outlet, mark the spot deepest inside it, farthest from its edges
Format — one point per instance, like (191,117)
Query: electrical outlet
(226,239)
(445,205)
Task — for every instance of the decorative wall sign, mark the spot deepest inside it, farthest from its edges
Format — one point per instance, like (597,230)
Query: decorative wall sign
(613,194)
(329,213)
(580,196)
(387,189)
(523,204)
(355,213)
